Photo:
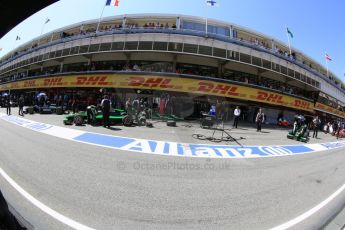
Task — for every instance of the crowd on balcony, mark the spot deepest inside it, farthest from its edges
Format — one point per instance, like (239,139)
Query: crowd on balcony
(167,67)
(119,26)
(271,84)
(159,67)
(257,42)
(159,25)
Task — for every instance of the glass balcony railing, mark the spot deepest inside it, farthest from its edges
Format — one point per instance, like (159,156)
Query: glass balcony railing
(242,42)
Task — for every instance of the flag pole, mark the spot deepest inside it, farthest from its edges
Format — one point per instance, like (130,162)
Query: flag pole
(287,34)
(327,67)
(14,45)
(100,18)
(39,40)
(206,19)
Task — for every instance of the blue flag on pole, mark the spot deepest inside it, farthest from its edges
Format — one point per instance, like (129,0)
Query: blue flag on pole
(211,2)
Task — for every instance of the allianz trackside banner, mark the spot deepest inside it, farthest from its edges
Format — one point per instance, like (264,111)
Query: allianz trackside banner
(176,84)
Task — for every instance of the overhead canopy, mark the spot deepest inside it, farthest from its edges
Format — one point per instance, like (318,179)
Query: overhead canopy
(14,12)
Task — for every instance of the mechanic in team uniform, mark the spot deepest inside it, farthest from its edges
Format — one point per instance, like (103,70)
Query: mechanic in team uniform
(21,105)
(105,104)
(237,113)
(8,105)
(316,125)
(260,118)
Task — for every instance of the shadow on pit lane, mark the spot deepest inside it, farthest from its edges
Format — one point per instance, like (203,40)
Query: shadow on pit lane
(98,125)
(7,220)
(239,129)
(265,132)
(114,129)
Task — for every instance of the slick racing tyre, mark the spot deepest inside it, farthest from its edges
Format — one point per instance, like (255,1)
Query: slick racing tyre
(68,122)
(142,121)
(171,123)
(78,120)
(127,121)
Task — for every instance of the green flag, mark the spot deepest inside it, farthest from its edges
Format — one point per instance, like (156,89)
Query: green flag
(289,32)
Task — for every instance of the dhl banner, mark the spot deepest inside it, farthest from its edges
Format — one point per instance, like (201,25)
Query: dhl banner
(328,109)
(176,84)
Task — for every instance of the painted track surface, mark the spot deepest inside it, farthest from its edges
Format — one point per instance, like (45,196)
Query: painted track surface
(169,148)
(115,189)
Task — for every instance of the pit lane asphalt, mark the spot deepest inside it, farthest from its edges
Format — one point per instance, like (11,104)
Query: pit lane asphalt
(270,135)
(107,189)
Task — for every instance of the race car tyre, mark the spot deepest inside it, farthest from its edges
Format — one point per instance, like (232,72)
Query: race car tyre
(171,123)
(30,110)
(59,111)
(142,121)
(306,133)
(149,125)
(78,120)
(127,121)
(68,122)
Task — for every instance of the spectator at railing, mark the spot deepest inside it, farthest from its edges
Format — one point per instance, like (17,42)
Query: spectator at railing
(275,49)
(158,25)
(136,67)
(93,67)
(126,68)
(132,26)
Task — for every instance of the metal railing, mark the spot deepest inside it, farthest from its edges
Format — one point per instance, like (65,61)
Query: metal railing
(223,38)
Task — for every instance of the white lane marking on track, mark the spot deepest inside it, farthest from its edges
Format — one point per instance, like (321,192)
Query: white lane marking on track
(57,131)
(310,212)
(43,207)
(70,134)
(316,147)
(62,132)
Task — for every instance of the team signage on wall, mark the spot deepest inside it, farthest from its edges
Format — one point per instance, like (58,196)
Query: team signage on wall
(188,85)
(329,109)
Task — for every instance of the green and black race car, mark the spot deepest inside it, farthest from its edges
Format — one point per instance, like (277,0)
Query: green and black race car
(300,131)
(93,116)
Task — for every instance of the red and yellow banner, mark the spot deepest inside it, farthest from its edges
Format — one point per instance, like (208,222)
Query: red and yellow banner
(176,84)
(329,109)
